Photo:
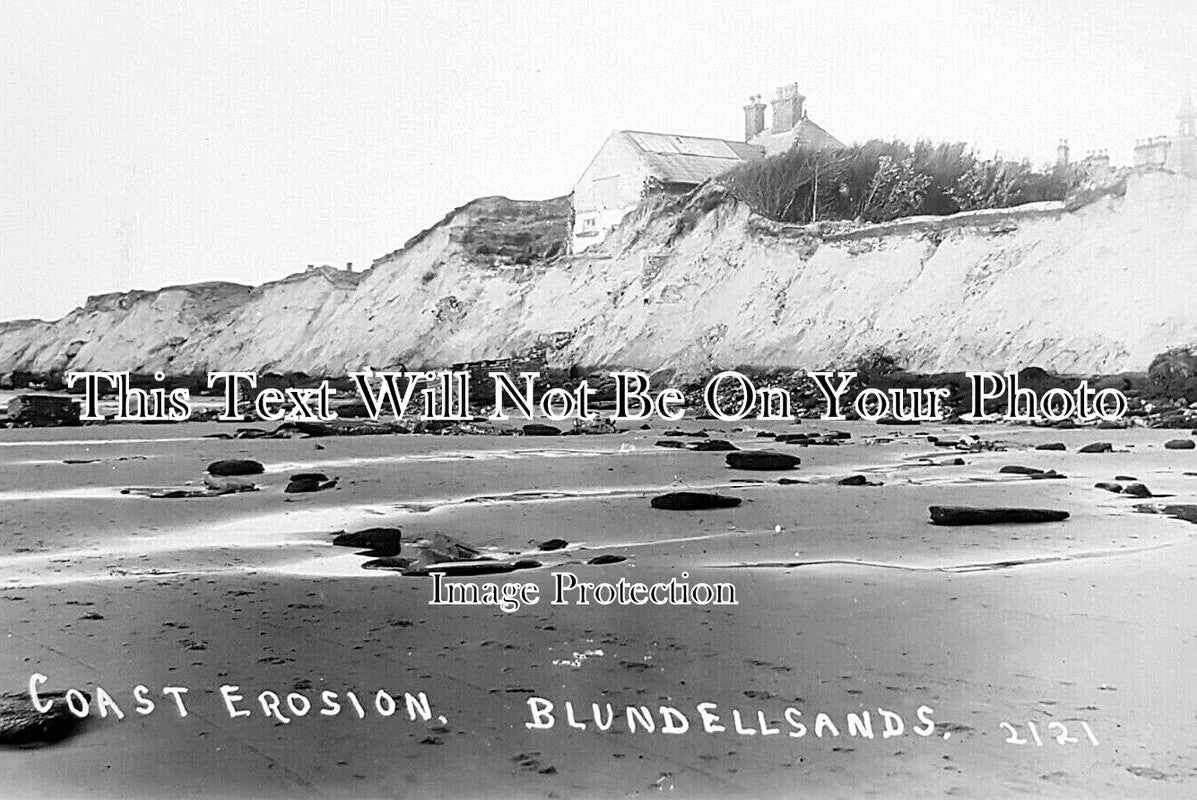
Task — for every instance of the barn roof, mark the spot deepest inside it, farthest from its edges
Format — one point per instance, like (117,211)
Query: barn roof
(674,158)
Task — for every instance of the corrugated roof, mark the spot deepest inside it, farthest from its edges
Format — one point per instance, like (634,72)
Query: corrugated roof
(689,159)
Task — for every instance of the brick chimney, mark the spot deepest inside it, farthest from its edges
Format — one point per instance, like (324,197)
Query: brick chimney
(754,117)
(787,108)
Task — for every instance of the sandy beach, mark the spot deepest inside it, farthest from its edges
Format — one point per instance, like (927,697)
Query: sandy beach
(848,601)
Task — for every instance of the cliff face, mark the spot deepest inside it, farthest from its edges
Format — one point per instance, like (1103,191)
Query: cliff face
(689,285)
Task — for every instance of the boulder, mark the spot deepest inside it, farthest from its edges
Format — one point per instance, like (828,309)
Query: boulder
(318,477)
(22,725)
(606,558)
(236,466)
(1097,447)
(1108,486)
(552,544)
(761,460)
(379,541)
(693,501)
(853,480)
(968,515)
(672,444)
(712,446)
(537,429)
(1051,446)
(1136,490)
(1180,444)
(1012,469)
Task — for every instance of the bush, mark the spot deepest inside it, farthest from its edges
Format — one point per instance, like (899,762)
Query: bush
(880,181)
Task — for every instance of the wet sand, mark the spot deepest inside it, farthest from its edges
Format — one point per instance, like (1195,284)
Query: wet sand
(849,601)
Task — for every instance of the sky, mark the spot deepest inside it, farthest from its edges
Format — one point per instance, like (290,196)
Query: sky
(149,144)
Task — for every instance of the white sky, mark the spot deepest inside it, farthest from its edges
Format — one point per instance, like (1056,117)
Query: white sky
(145,144)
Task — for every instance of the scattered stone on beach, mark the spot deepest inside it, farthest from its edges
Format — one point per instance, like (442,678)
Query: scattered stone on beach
(236,466)
(389,562)
(1097,447)
(672,444)
(439,547)
(853,480)
(308,482)
(607,558)
(766,435)
(790,481)
(1013,469)
(1051,446)
(1050,474)
(794,438)
(1136,490)
(186,492)
(379,541)
(693,501)
(969,515)
(1109,486)
(539,429)
(712,446)
(22,725)
(1183,511)
(762,460)
(1180,444)
(549,545)
(229,484)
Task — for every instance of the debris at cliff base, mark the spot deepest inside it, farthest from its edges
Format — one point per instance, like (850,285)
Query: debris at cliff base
(42,411)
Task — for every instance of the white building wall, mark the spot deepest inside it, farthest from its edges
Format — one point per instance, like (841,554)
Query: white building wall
(608,189)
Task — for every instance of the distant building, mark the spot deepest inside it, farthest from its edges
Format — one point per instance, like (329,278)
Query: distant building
(790,125)
(631,164)
(1177,153)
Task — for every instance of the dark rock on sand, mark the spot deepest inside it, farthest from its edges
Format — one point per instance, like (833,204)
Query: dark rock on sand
(1125,478)
(1012,469)
(537,429)
(1185,512)
(319,477)
(853,480)
(1051,446)
(236,466)
(1180,444)
(793,438)
(968,515)
(712,446)
(380,541)
(1108,486)
(397,564)
(761,460)
(672,444)
(305,484)
(693,501)
(607,558)
(1097,447)
(1136,490)
(552,544)
(23,725)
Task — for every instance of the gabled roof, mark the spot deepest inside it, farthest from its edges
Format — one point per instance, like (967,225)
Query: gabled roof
(673,158)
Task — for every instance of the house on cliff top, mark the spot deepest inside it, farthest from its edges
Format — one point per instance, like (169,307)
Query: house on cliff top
(632,164)
(1177,153)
